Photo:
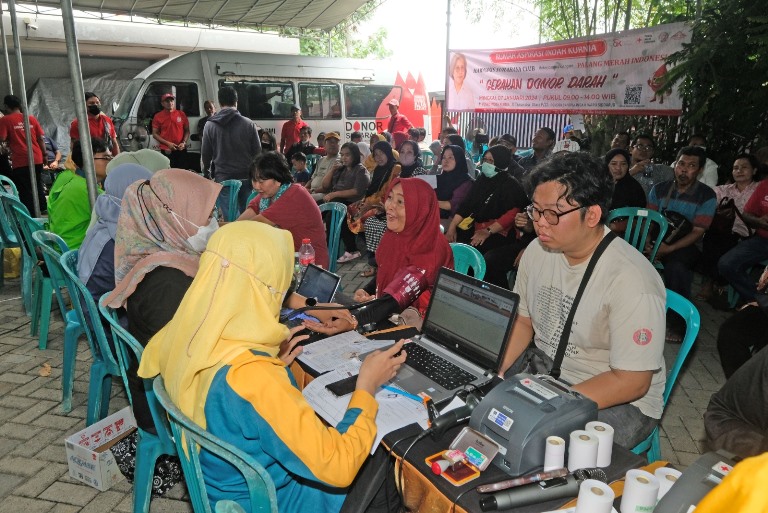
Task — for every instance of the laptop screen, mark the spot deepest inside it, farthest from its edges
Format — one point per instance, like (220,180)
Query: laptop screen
(470,317)
(318,283)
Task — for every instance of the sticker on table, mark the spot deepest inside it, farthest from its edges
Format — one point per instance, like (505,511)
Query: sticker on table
(722,468)
(500,419)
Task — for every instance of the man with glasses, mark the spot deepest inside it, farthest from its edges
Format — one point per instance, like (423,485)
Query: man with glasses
(697,203)
(170,128)
(614,353)
(643,169)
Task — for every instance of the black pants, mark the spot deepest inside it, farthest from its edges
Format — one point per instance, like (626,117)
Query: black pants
(178,158)
(741,336)
(678,269)
(715,246)
(20,177)
(499,261)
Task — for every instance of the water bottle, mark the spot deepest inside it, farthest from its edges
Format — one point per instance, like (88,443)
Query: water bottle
(296,268)
(306,255)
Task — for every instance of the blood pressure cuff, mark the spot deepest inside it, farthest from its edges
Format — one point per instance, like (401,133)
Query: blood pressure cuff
(407,286)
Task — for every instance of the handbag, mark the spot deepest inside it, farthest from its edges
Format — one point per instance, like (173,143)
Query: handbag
(725,216)
(358,212)
(679,225)
(466,223)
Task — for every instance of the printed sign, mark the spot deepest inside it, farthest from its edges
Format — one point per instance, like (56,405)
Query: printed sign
(619,73)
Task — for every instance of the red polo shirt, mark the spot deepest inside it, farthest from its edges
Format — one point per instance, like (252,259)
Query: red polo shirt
(289,135)
(12,130)
(170,125)
(95,127)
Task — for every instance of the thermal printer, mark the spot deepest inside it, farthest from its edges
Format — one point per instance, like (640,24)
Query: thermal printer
(522,411)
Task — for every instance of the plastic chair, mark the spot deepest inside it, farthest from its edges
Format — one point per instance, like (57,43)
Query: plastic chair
(233,208)
(466,257)
(312,159)
(190,438)
(639,222)
(11,237)
(45,285)
(690,314)
(427,158)
(250,197)
(104,364)
(52,247)
(338,215)
(7,237)
(150,446)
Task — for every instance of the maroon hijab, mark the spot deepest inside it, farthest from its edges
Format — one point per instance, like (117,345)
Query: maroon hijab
(420,243)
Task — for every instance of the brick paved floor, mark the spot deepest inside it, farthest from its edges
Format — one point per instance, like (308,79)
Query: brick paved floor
(33,469)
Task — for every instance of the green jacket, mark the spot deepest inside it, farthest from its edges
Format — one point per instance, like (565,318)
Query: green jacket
(69,212)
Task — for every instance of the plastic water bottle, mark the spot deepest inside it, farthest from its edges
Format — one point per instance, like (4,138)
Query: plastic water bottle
(296,268)
(306,255)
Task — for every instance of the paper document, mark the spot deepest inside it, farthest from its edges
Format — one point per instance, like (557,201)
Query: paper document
(430,179)
(395,410)
(325,355)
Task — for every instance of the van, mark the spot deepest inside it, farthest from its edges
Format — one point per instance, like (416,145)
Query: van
(342,95)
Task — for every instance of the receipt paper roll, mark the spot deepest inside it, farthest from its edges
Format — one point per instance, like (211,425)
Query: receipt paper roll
(582,450)
(554,454)
(594,497)
(604,434)
(641,490)
(667,477)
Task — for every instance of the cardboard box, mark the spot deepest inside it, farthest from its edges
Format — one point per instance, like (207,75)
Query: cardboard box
(89,456)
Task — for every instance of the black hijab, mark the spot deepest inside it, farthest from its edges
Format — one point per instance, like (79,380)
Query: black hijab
(447,182)
(407,171)
(381,174)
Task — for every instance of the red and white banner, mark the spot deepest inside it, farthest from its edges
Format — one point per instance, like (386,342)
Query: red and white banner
(618,73)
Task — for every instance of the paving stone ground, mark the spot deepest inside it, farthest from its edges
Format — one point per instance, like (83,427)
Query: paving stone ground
(33,467)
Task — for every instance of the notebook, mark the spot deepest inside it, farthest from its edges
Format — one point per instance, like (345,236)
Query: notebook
(467,324)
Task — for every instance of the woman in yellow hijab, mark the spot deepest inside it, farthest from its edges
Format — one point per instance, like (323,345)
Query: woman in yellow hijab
(224,359)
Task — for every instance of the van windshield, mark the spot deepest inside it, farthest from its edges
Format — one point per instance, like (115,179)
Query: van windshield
(363,101)
(261,99)
(127,99)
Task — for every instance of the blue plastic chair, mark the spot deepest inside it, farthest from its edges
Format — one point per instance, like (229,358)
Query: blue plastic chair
(233,207)
(338,215)
(690,314)
(104,364)
(312,159)
(466,257)
(150,446)
(12,238)
(639,222)
(190,438)
(427,158)
(251,197)
(7,237)
(52,247)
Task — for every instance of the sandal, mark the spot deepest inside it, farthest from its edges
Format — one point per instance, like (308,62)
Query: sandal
(368,272)
(347,257)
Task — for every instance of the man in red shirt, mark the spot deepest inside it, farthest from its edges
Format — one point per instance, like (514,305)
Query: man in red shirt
(289,135)
(12,131)
(398,122)
(99,125)
(170,128)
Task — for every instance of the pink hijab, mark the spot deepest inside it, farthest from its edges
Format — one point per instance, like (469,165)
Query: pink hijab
(156,218)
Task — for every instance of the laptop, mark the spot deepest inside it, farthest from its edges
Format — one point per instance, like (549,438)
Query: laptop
(319,284)
(467,325)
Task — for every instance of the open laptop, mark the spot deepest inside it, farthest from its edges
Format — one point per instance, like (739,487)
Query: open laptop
(467,323)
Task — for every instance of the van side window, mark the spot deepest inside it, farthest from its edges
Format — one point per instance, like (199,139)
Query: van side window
(262,100)
(363,101)
(319,101)
(187,99)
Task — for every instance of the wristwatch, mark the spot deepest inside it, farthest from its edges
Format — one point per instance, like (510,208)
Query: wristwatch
(489,231)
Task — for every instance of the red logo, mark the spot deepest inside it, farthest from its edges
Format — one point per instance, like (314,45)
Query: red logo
(356,126)
(642,337)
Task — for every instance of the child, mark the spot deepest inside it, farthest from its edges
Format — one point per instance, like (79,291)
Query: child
(299,171)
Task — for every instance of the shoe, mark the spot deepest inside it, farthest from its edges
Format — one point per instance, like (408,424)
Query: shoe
(368,272)
(347,257)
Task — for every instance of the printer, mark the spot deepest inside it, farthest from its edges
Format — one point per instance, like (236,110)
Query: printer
(522,411)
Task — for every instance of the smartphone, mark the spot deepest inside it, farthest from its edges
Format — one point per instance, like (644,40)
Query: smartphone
(343,387)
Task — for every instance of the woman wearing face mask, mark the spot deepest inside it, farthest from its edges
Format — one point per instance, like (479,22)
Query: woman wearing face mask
(453,184)
(410,160)
(268,142)
(99,125)
(486,218)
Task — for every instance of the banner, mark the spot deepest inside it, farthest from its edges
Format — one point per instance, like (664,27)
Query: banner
(618,73)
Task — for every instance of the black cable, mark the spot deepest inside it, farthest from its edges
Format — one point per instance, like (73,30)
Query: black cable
(423,434)
(389,464)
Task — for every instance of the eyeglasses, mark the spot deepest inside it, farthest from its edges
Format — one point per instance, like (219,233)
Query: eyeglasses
(550,216)
(109,157)
(643,147)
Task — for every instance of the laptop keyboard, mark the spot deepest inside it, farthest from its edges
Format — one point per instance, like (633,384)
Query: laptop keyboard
(437,368)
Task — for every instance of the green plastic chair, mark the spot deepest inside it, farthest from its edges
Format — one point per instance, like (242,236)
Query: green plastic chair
(190,438)
(639,222)
(52,246)
(104,364)
(7,237)
(251,197)
(233,208)
(690,314)
(11,238)
(312,159)
(338,215)
(466,257)
(150,446)
(427,158)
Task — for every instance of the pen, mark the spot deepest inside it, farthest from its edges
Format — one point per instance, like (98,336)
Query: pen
(519,481)
(402,392)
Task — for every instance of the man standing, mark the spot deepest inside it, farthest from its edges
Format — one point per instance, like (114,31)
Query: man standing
(12,131)
(99,125)
(709,174)
(542,144)
(230,142)
(642,168)
(398,122)
(614,354)
(697,203)
(291,132)
(324,165)
(170,128)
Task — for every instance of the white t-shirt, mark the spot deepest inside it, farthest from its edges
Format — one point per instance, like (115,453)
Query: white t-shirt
(620,321)
(463,99)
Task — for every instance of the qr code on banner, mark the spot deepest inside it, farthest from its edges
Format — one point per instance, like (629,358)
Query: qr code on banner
(632,94)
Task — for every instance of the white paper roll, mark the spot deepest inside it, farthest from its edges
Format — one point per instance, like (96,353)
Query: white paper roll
(554,453)
(582,450)
(594,497)
(604,434)
(641,490)
(667,477)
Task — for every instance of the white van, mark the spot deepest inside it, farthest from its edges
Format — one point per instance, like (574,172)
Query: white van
(343,95)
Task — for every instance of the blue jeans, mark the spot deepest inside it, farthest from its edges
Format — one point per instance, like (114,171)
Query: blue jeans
(678,269)
(223,202)
(734,266)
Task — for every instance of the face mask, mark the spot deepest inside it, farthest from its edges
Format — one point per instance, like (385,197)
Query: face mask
(266,146)
(94,110)
(199,240)
(407,160)
(488,170)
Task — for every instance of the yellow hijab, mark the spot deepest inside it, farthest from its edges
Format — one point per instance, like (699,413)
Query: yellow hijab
(231,307)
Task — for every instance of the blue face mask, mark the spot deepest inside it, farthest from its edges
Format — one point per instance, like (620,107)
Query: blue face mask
(488,170)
